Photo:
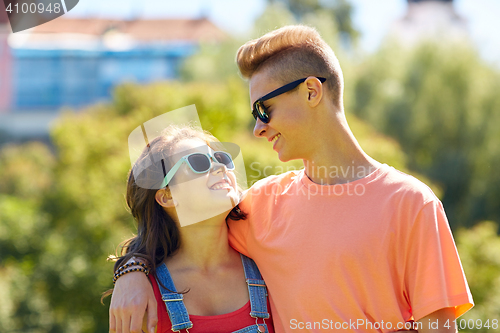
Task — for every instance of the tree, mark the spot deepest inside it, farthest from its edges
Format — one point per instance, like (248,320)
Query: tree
(339,11)
(215,62)
(439,102)
(479,250)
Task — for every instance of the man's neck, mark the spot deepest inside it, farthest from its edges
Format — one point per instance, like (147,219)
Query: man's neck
(339,172)
(337,157)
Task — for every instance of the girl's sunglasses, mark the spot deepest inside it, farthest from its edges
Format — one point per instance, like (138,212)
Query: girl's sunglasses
(260,111)
(199,163)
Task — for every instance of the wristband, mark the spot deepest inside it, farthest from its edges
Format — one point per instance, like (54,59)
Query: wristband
(141,260)
(130,264)
(119,273)
(134,264)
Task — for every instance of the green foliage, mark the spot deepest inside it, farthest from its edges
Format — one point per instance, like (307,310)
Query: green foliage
(28,172)
(213,62)
(216,62)
(339,13)
(479,250)
(274,16)
(277,14)
(440,103)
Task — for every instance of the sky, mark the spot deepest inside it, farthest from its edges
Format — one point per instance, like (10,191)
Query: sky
(371,17)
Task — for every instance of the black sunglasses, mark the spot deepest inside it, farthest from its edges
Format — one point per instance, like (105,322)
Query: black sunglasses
(260,111)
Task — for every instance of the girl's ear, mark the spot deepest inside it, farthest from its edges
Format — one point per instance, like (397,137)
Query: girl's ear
(164,198)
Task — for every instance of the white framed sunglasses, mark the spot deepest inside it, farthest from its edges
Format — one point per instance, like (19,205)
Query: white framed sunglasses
(199,163)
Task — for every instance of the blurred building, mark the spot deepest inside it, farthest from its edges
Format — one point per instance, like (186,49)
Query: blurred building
(5,62)
(70,62)
(430,19)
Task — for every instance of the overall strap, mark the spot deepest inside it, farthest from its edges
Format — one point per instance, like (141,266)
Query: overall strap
(173,301)
(256,289)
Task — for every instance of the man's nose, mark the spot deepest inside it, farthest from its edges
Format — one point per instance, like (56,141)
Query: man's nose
(259,128)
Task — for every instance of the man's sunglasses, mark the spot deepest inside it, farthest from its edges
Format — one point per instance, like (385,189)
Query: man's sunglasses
(260,111)
(199,163)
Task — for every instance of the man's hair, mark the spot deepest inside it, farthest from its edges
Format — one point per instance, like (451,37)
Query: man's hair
(291,53)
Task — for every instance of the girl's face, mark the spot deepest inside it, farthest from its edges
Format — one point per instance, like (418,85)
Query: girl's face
(201,196)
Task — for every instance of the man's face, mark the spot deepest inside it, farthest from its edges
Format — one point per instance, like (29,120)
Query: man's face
(287,128)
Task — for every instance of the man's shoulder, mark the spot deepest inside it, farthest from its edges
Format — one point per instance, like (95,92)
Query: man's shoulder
(269,187)
(283,179)
(263,192)
(407,185)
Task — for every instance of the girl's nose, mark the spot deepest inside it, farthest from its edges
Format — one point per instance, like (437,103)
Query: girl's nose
(218,167)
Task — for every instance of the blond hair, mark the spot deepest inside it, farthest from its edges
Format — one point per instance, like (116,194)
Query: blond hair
(291,53)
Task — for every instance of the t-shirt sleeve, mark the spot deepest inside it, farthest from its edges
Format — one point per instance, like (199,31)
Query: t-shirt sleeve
(238,230)
(434,276)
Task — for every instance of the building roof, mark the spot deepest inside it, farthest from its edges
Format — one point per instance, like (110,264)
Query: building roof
(140,30)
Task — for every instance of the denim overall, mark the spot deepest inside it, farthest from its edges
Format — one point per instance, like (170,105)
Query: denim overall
(177,310)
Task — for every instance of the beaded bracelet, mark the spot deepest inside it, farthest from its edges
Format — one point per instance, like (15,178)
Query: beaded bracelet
(135,269)
(139,259)
(129,264)
(132,262)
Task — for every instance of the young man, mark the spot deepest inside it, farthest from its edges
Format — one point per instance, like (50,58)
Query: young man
(347,243)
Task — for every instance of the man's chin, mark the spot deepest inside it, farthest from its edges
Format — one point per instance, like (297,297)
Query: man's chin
(286,158)
(283,157)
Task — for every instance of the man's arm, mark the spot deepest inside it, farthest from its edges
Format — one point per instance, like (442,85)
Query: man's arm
(440,321)
(132,296)
(435,283)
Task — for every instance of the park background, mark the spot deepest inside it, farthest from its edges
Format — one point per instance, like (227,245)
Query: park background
(430,108)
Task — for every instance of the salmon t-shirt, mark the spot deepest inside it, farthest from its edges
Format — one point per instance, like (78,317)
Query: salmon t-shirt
(365,256)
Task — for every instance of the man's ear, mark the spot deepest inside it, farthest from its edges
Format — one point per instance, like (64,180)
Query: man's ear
(314,90)
(164,198)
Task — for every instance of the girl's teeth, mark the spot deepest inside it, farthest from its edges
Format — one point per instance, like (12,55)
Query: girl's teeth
(219,186)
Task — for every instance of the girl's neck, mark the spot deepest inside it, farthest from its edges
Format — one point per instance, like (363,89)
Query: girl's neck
(204,246)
